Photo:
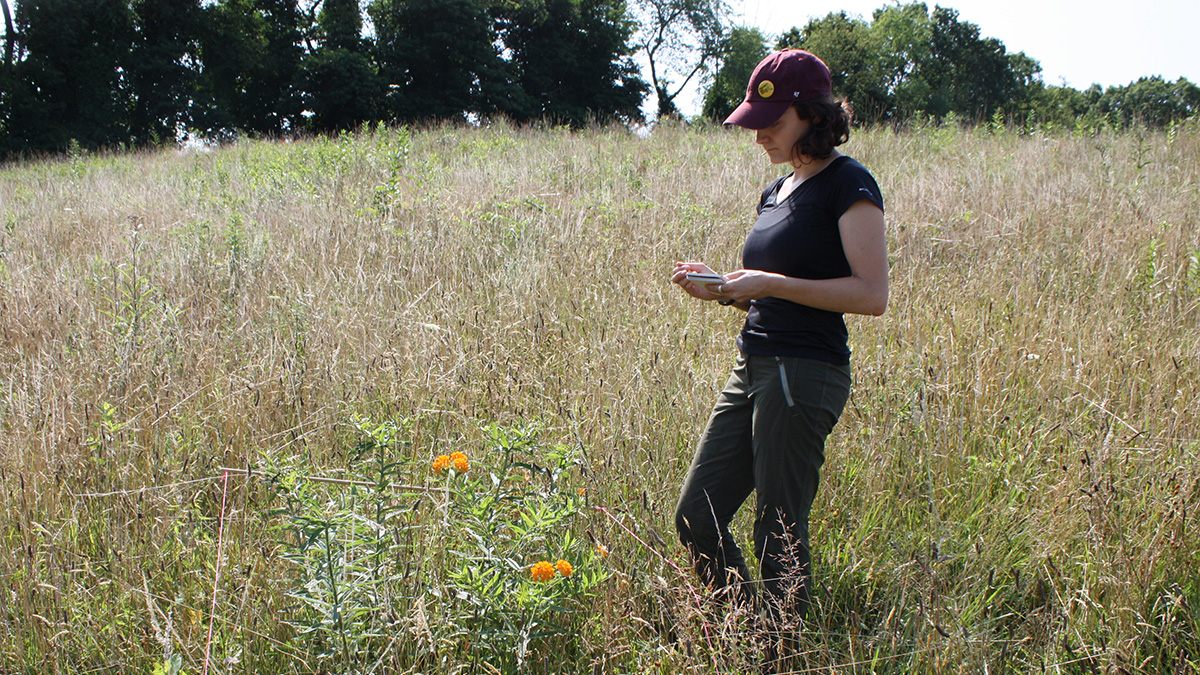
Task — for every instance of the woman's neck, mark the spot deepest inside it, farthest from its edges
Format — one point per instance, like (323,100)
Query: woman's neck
(806,168)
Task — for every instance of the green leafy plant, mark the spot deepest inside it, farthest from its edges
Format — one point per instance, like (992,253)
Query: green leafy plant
(169,666)
(520,574)
(338,543)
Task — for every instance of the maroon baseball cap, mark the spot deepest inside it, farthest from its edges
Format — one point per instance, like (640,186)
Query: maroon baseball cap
(779,80)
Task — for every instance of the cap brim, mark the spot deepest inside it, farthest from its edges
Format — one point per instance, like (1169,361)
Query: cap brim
(757,114)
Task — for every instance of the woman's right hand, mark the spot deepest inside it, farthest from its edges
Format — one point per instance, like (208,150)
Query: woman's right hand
(679,276)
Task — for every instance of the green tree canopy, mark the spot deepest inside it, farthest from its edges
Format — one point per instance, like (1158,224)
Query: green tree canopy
(910,61)
(251,52)
(572,61)
(1151,101)
(851,51)
(70,83)
(341,85)
(164,68)
(743,48)
(967,74)
(339,25)
(112,72)
(438,58)
(6,73)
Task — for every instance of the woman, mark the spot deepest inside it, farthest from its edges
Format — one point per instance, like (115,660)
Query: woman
(816,251)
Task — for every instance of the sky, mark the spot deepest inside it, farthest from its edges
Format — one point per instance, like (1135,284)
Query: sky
(1077,42)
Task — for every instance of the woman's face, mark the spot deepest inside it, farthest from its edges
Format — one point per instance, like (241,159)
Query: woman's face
(779,138)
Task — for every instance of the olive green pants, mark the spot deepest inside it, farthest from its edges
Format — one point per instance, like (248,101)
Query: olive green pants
(767,435)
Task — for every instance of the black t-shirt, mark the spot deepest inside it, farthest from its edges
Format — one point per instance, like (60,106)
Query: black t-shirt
(800,238)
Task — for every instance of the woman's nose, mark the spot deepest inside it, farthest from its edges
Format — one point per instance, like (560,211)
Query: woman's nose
(760,136)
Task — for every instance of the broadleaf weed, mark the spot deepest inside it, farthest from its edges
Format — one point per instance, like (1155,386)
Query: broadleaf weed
(507,525)
(510,509)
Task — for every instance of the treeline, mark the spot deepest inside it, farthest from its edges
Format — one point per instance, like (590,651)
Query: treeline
(112,72)
(909,63)
(99,73)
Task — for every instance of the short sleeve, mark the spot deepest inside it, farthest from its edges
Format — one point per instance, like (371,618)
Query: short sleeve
(854,184)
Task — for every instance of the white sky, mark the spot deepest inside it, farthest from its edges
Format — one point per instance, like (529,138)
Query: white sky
(1076,41)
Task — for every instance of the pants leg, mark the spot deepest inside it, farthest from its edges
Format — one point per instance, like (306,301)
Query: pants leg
(767,433)
(797,402)
(719,480)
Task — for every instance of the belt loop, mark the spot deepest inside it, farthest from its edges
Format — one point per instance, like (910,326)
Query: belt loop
(787,392)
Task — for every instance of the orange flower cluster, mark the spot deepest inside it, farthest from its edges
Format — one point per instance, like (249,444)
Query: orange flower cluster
(544,571)
(602,550)
(458,460)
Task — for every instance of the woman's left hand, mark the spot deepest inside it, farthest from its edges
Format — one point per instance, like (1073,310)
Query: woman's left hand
(746,285)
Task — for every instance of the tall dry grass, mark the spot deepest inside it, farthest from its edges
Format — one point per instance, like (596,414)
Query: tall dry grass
(1013,487)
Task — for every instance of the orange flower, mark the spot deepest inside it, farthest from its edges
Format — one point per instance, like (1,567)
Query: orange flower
(602,550)
(564,568)
(441,464)
(542,571)
(459,461)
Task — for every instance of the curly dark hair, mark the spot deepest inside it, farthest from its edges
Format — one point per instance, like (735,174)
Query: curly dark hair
(830,118)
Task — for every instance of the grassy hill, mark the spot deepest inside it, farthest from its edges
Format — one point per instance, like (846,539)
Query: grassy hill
(1013,487)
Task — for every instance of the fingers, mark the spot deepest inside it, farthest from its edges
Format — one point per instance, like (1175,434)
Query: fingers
(743,285)
(696,290)
(679,276)
(694,266)
(732,288)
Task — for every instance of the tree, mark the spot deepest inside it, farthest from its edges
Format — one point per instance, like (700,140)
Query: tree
(908,61)
(1058,106)
(744,48)
(903,35)
(164,68)
(572,61)
(70,83)
(1150,101)
(6,74)
(679,39)
(251,57)
(10,36)
(970,75)
(852,52)
(439,59)
(340,25)
(342,88)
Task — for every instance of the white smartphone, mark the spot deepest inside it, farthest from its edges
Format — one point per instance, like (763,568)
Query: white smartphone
(706,280)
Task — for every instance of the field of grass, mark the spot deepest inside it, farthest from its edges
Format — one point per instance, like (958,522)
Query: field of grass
(1013,488)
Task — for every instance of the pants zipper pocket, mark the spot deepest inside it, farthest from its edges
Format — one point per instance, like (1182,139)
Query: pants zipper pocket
(787,392)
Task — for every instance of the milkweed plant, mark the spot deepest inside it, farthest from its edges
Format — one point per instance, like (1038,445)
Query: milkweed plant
(485,565)
(520,573)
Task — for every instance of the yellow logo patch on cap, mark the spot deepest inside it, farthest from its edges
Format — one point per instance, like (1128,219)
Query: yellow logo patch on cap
(766,88)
